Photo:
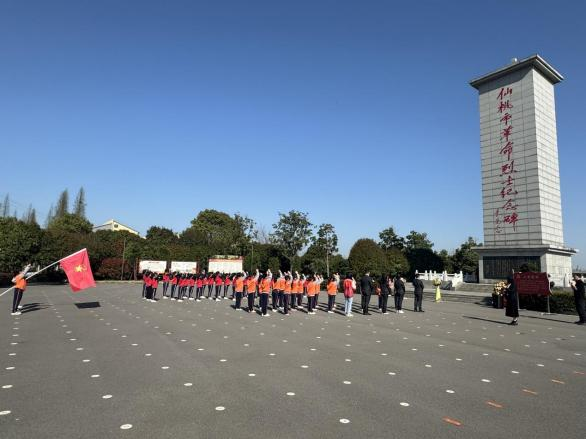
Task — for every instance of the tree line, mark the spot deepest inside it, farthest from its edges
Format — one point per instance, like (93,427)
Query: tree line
(294,243)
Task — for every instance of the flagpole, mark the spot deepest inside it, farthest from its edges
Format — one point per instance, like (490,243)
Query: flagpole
(43,269)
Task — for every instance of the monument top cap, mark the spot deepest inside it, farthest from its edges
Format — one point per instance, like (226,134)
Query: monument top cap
(535,61)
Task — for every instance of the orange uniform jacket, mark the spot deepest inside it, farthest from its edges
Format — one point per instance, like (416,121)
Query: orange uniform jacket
(332,288)
(287,287)
(265,286)
(20,282)
(251,285)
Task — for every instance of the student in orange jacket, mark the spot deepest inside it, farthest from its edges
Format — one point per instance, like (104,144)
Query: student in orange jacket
(310,295)
(19,281)
(265,290)
(238,290)
(287,293)
(251,289)
(332,291)
(277,291)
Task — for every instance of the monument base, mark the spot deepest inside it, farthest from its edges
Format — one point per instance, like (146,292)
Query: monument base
(497,263)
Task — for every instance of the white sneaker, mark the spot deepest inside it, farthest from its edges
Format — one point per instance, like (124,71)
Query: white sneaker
(165,297)
(401,311)
(225,298)
(198,300)
(17,313)
(350,315)
(217,300)
(172,298)
(330,312)
(179,300)
(191,298)
(385,313)
(274,310)
(19,306)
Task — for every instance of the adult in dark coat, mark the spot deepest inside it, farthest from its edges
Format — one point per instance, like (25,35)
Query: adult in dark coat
(418,292)
(512,309)
(399,294)
(384,293)
(366,290)
(579,300)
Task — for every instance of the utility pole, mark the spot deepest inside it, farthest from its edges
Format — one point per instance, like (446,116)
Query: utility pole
(328,253)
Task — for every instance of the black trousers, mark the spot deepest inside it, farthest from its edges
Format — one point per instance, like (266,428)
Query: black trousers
(580,303)
(418,301)
(275,298)
(280,295)
(310,303)
(16,299)
(286,298)
(190,291)
(165,287)
(225,290)
(399,301)
(250,302)
(173,286)
(380,301)
(383,299)
(264,302)
(331,302)
(238,299)
(365,303)
(143,290)
(299,299)
(153,293)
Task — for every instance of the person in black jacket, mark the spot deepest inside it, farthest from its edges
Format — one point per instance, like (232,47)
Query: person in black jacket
(366,289)
(384,293)
(579,290)
(399,293)
(418,291)
(512,301)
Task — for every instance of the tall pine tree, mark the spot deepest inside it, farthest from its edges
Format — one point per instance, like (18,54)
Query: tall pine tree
(79,206)
(5,211)
(62,204)
(50,216)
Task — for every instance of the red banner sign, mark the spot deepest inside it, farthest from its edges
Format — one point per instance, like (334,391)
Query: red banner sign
(532,283)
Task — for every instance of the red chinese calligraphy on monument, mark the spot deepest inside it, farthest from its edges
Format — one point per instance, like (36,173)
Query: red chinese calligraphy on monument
(506,214)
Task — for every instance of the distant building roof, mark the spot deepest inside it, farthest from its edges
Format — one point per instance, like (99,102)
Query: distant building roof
(115,226)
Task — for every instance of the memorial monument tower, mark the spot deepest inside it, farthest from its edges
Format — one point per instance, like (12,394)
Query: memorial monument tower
(522,212)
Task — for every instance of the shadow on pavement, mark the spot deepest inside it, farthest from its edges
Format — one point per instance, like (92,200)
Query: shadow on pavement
(86,305)
(35,306)
(486,320)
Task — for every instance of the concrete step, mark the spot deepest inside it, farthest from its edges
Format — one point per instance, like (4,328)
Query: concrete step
(473,287)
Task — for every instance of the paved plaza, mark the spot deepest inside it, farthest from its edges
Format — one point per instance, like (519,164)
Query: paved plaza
(105,363)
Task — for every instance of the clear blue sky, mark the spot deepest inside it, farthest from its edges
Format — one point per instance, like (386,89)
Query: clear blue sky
(358,113)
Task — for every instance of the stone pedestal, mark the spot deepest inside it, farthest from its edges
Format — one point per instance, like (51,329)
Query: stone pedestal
(522,215)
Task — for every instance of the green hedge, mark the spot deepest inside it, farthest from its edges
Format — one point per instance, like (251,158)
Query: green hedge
(559,302)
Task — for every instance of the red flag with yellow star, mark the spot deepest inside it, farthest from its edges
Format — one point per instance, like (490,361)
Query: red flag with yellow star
(78,270)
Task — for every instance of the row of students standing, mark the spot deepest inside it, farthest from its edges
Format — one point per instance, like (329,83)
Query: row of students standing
(285,291)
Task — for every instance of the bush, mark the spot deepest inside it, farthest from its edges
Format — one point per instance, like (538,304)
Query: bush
(366,255)
(559,302)
(110,269)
